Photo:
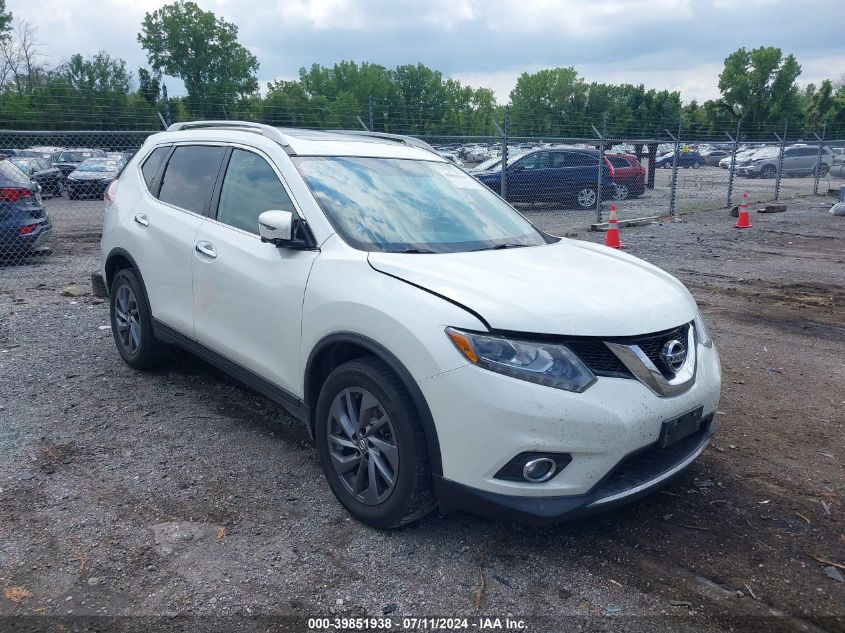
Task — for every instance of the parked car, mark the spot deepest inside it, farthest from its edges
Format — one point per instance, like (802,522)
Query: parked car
(628,176)
(93,177)
(798,160)
(45,152)
(553,175)
(49,178)
(685,159)
(714,156)
(68,160)
(24,224)
(439,348)
(741,155)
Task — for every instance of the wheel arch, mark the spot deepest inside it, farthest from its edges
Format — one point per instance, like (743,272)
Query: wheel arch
(341,347)
(119,259)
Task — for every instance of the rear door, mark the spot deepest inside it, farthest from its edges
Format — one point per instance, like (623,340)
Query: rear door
(180,180)
(247,293)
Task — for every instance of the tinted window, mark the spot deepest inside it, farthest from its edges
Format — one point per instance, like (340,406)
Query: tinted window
(153,162)
(250,188)
(189,176)
(576,159)
(618,161)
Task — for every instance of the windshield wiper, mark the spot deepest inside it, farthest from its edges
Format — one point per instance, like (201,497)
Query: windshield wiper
(414,251)
(501,247)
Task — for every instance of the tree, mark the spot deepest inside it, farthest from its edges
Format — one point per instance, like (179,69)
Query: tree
(149,86)
(548,102)
(184,41)
(759,87)
(5,21)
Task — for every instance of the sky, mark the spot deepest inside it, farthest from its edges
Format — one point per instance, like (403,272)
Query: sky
(664,44)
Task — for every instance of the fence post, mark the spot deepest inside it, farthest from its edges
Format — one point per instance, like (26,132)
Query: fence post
(780,158)
(370,110)
(503,186)
(818,160)
(733,162)
(166,105)
(677,140)
(600,177)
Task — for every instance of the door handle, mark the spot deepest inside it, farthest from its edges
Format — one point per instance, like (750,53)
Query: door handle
(207,249)
(141,218)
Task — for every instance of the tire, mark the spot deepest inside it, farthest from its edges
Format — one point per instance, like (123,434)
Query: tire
(622,192)
(667,165)
(410,496)
(585,196)
(132,323)
(822,171)
(695,165)
(769,171)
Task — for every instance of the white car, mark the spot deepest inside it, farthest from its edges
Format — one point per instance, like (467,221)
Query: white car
(441,350)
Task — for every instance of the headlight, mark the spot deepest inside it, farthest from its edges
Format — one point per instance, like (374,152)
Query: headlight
(546,364)
(701,331)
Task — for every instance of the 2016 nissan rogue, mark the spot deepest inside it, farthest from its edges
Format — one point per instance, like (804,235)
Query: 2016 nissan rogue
(440,348)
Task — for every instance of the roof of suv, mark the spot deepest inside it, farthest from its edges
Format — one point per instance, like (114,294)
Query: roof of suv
(303,142)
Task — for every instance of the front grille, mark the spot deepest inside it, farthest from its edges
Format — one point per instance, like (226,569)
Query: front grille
(598,357)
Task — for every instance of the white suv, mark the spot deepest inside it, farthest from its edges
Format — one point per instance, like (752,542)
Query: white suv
(440,349)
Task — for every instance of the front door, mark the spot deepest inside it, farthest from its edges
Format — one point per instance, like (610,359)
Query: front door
(248,294)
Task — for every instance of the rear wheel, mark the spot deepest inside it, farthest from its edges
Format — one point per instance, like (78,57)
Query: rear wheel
(132,323)
(822,170)
(769,171)
(621,191)
(586,197)
(371,445)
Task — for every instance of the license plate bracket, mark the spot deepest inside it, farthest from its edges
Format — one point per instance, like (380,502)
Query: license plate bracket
(676,429)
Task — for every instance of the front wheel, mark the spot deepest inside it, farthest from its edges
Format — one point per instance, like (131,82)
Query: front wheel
(822,171)
(769,171)
(372,447)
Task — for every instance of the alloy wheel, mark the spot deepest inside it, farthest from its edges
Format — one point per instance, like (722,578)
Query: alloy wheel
(586,198)
(127,319)
(621,192)
(363,447)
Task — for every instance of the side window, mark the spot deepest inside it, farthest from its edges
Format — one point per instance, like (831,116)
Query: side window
(577,159)
(189,176)
(535,161)
(250,187)
(618,161)
(153,162)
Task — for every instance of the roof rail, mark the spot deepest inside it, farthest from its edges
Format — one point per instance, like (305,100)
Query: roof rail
(273,133)
(399,138)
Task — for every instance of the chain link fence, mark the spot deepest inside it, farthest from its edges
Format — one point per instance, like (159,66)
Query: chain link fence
(52,183)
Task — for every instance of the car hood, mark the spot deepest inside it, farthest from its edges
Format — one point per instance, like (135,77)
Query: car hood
(570,288)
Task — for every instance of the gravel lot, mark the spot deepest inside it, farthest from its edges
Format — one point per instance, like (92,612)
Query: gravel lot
(182,496)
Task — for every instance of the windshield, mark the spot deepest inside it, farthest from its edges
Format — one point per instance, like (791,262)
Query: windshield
(395,205)
(98,165)
(23,165)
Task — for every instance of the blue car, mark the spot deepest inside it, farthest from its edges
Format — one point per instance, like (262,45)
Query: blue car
(685,160)
(24,224)
(567,175)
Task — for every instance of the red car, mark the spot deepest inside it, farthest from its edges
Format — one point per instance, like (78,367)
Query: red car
(628,175)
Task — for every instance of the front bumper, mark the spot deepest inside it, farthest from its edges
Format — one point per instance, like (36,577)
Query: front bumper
(485,419)
(636,476)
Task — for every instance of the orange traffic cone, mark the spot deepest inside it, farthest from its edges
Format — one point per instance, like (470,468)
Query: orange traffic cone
(611,238)
(743,221)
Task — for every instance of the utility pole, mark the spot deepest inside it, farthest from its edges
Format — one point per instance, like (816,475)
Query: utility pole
(818,160)
(780,158)
(503,187)
(733,162)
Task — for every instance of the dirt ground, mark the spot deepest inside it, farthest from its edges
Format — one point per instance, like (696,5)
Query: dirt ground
(180,500)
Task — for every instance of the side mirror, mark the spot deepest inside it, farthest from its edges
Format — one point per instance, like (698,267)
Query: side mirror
(275,226)
(285,230)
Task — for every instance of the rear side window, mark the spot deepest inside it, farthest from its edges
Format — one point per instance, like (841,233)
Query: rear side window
(189,176)
(153,162)
(250,188)
(618,161)
(576,159)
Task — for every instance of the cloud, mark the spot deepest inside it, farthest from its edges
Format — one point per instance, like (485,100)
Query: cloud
(673,44)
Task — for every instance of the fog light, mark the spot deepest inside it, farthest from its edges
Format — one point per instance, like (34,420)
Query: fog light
(538,470)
